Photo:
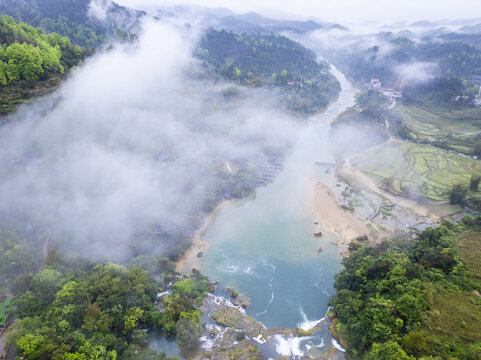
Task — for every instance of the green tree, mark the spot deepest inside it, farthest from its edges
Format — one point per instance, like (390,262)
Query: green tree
(131,318)
(457,194)
(31,345)
(389,350)
(237,73)
(94,314)
(28,54)
(477,148)
(474,182)
(415,344)
(3,73)
(410,307)
(189,330)
(24,62)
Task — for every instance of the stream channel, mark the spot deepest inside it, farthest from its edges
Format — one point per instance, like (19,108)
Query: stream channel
(265,248)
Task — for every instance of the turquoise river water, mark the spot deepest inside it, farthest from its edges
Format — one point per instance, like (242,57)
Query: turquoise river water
(265,248)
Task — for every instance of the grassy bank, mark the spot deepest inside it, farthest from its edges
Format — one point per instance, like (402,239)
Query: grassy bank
(454,316)
(413,300)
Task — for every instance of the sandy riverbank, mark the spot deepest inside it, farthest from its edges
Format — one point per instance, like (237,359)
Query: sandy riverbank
(336,220)
(198,245)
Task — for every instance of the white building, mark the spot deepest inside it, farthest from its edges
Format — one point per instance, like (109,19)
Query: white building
(376,83)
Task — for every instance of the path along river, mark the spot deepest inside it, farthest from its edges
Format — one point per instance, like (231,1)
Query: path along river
(266,249)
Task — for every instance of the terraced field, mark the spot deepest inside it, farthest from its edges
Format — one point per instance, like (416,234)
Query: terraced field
(417,168)
(436,124)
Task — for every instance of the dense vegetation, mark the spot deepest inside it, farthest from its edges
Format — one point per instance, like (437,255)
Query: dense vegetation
(430,72)
(260,54)
(455,59)
(6,307)
(255,23)
(273,60)
(71,308)
(27,53)
(32,60)
(413,300)
(72,19)
(88,311)
(445,92)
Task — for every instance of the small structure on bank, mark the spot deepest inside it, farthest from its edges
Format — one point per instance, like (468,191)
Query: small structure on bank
(269,174)
(376,83)
(389,92)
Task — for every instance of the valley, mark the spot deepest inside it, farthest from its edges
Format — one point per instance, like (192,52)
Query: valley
(184,182)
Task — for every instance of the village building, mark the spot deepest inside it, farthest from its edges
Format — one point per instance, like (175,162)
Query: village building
(376,84)
(392,93)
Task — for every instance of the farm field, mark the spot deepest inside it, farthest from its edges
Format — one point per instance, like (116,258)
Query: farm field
(455,129)
(417,169)
(436,124)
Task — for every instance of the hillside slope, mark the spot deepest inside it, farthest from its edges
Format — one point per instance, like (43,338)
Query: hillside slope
(271,60)
(413,300)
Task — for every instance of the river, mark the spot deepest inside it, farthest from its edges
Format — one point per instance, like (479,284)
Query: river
(265,248)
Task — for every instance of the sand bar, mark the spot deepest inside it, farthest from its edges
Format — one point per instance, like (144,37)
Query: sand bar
(335,220)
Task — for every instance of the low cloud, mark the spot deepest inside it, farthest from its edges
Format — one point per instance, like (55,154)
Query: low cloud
(331,40)
(134,143)
(98,9)
(417,72)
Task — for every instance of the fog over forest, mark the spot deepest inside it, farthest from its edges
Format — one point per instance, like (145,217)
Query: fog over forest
(132,143)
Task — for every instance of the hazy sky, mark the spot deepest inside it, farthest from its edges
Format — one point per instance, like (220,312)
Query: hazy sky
(342,10)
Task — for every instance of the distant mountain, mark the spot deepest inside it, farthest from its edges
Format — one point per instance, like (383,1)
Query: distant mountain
(250,23)
(472,28)
(422,23)
(469,34)
(435,32)
(254,23)
(337,27)
(237,25)
(471,39)
(461,22)
(394,58)
(191,11)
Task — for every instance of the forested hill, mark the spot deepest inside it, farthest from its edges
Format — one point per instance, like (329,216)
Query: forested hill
(30,58)
(74,18)
(253,23)
(385,60)
(260,54)
(274,60)
(430,72)
(413,300)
